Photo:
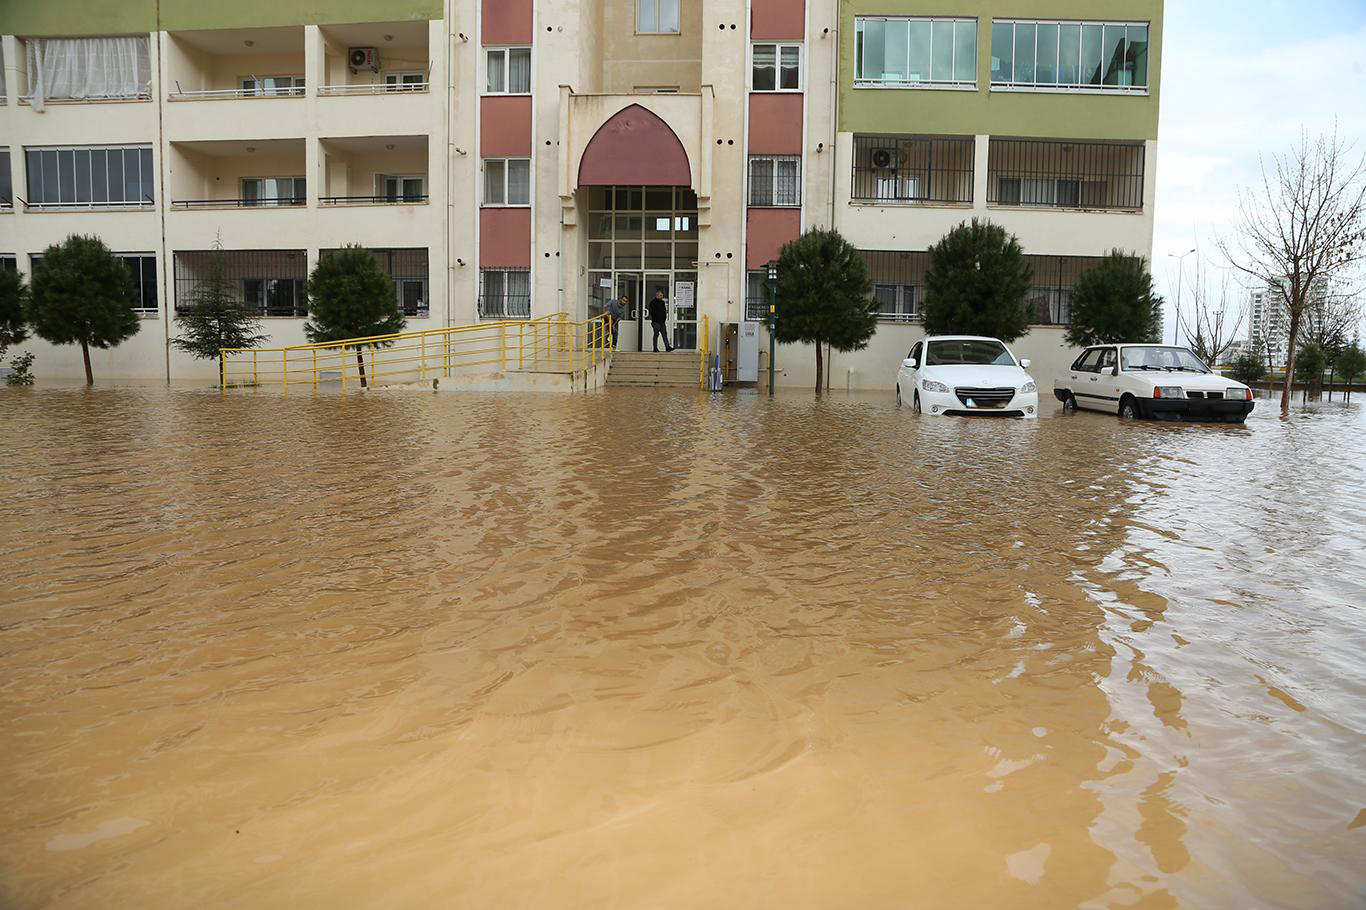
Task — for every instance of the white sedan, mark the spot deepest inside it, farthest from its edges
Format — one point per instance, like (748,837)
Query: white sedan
(966,374)
(1161,381)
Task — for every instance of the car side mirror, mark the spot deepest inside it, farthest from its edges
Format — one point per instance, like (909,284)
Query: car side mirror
(909,363)
(1025,362)
(1114,370)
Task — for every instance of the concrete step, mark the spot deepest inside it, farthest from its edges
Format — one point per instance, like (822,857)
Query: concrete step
(645,383)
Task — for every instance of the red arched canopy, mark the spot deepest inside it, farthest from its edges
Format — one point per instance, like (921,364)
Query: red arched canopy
(635,147)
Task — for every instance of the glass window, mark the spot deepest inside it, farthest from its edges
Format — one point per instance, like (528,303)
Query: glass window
(1090,54)
(1069,54)
(1024,52)
(142,268)
(497,71)
(765,68)
(89,175)
(790,71)
(910,52)
(1046,57)
(774,180)
(505,293)
(1086,363)
(943,353)
(1002,51)
(1113,51)
(657,16)
(1136,59)
(6,189)
(509,71)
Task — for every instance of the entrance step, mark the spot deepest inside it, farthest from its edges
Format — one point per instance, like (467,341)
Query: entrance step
(646,368)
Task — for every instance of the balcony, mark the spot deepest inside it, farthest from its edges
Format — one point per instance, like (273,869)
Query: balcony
(230,64)
(1060,174)
(270,282)
(374,170)
(248,174)
(376,58)
(930,170)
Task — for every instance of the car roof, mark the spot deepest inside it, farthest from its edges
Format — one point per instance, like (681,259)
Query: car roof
(963,338)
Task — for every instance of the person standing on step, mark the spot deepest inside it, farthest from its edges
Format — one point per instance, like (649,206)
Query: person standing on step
(659,311)
(616,311)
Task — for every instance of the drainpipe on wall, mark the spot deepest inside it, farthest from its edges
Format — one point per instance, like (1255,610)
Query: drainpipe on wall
(448,115)
(834,109)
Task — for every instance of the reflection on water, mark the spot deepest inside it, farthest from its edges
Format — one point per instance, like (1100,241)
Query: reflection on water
(639,650)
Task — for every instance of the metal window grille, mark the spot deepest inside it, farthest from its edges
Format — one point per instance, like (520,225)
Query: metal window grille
(1062,174)
(913,169)
(756,295)
(407,266)
(505,293)
(775,180)
(272,282)
(86,176)
(9,263)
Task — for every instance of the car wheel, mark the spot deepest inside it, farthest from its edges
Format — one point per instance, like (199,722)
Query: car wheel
(1069,403)
(1128,408)
(898,395)
(915,404)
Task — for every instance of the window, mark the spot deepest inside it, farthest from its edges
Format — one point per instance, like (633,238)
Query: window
(1087,362)
(6,187)
(914,353)
(1107,359)
(507,181)
(407,268)
(895,302)
(93,69)
(276,296)
(1065,174)
(400,187)
(274,191)
(272,85)
(1100,56)
(509,71)
(774,180)
(657,17)
(89,176)
(777,68)
(899,169)
(143,269)
(910,53)
(405,82)
(505,293)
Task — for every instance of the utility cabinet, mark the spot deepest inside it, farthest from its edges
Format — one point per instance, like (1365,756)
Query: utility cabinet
(740,351)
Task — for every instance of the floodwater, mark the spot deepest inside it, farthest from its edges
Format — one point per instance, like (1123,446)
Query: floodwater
(663,650)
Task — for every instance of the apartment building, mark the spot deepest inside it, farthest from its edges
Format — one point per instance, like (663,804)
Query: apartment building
(509,159)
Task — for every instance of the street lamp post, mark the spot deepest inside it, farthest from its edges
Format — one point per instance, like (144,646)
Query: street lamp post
(1180,269)
(772,319)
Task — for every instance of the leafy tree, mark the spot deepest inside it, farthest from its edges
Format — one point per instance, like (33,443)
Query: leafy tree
(216,317)
(824,295)
(1351,364)
(1248,368)
(83,294)
(350,297)
(13,299)
(1309,366)
(1113,302)
(976,283)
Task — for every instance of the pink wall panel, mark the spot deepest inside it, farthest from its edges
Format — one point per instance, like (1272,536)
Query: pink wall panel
(505,126)
(505,238)
(775,123)
(507,21)
(777,20)
(767,231)
(635,146)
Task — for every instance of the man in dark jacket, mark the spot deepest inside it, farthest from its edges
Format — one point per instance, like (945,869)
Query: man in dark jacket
(659,311)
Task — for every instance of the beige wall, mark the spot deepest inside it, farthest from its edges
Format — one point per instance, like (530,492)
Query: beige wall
(630,59)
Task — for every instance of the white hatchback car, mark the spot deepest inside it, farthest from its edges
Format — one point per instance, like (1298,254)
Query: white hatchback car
(966,374)
(1151,380)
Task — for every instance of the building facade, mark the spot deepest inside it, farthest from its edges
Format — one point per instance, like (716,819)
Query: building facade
(509,159)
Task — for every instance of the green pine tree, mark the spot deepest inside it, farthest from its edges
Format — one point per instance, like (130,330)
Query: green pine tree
(1351,364)
(824,295)
(349,296)
(976,283)
(83,294)
(216,317)
(1113,303)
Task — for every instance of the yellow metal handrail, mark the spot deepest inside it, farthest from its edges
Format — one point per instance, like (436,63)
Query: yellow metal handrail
(553,342)
(703,342)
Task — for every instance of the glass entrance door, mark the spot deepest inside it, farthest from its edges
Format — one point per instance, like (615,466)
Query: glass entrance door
(629,285)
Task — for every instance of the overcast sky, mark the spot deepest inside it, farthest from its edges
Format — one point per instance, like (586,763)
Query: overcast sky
(1239,79)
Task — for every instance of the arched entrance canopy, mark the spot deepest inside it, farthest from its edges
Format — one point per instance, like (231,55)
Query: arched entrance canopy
(635,147)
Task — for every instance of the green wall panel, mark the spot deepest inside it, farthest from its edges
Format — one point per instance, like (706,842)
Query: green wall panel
(105,17)
(1067,115)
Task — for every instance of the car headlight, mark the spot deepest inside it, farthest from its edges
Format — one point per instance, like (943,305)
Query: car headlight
(929,385)
(1238,394)
(1169,391)
(1029,387)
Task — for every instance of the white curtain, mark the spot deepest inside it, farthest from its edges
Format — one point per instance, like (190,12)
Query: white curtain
(519,70)
(87,68)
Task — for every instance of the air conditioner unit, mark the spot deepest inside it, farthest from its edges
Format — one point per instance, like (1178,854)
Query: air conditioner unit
(362,58)
(884,158)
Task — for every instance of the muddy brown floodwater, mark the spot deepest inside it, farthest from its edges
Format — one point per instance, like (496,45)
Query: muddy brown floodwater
(654,650)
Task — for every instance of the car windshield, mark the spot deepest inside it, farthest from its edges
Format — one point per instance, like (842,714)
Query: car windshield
(1160,358)
(946,353)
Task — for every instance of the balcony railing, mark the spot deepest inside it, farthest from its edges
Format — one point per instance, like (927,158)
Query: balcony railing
(1035,173)
(374,88)
(907,169)
(409,199)
(77,206)
(267,202)
(212,94)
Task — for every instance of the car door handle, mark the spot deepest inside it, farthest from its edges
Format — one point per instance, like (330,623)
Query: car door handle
(1095,379)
